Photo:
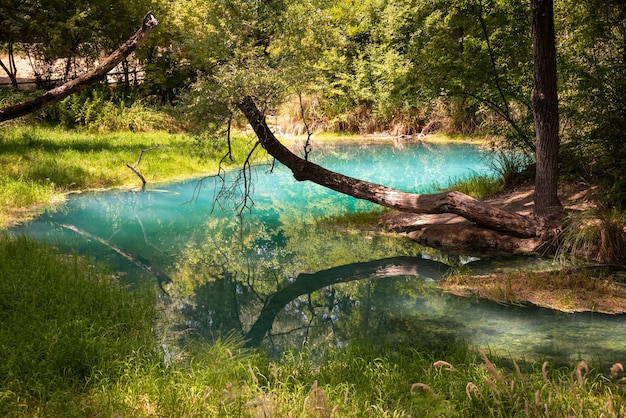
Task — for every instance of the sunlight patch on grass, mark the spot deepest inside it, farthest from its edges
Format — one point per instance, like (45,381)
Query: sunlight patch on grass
(39,164)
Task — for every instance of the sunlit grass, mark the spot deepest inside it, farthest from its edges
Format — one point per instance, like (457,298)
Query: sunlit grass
(73,342)
(39,164)
(477,185)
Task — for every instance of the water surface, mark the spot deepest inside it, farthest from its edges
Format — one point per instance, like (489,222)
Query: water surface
(284,276)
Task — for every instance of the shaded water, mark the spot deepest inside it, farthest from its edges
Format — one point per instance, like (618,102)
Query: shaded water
(285,276)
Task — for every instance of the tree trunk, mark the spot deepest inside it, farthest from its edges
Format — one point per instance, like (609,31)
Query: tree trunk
(11,71)
(545,109)
(58,93)
(481,214)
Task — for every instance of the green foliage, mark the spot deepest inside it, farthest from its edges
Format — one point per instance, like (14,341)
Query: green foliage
(74,31)
(66,328)
(106,110)
(594,92)
(510,166)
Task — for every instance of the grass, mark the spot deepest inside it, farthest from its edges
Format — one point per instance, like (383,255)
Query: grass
(594,235)
(65,326)
(568,290)
(38,165)
(477,185)
(74,342)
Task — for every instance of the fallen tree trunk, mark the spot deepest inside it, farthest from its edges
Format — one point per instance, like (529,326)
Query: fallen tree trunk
(96,74)
(480,213)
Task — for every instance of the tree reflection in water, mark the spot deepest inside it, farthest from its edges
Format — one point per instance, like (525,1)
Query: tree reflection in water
(251,281)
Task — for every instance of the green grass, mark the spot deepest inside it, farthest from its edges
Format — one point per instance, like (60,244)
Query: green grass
(477,185)
(65,327)
(75,343)
(38,165)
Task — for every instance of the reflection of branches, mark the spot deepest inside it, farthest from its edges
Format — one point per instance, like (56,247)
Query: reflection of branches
(161,277)
(307,283)
(145,236)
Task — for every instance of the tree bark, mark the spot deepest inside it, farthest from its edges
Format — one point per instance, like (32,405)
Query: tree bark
(12,70)
(58,93)
(545,109)
(481,214)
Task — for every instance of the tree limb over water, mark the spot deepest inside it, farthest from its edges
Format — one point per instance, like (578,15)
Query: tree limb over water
(91,77)
(482,214)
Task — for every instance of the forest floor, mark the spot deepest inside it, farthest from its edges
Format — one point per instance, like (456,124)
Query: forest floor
(591,289)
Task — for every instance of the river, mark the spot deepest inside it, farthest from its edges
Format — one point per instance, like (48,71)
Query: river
(283,273)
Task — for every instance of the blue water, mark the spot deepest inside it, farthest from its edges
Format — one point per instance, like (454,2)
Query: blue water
(283,276)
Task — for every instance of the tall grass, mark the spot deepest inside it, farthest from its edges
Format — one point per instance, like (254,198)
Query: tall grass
(598,235)
(477,185)
(73,342)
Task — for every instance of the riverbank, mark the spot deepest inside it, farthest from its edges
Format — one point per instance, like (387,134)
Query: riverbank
(40,166)
(598,290)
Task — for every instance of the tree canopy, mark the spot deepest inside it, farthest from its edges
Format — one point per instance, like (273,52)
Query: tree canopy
(406,67)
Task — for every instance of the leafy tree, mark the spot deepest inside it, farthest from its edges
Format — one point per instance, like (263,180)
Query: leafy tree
(16,26)
(71,30)
(592,37)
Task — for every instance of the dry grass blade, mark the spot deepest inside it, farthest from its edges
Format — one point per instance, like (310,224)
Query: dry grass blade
(421,386)
(579,372)
(316,402)
(492,385)
(490,367)
(446,366)
(472,388)
(615,369)
(517,370)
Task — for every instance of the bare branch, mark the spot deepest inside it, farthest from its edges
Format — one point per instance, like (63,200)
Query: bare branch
(134,167)
(307,144)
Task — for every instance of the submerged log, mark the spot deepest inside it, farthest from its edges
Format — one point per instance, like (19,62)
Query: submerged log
(479,213)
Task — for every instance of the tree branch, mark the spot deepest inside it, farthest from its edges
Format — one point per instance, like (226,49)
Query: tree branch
(482,214)
(133,167)
(96,74)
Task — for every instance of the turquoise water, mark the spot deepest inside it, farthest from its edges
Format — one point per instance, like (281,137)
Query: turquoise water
(283,276)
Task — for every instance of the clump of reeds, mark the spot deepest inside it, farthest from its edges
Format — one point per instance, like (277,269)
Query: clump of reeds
(598,235)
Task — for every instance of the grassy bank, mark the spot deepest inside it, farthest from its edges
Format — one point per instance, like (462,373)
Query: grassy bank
(38,165)
(75,343)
